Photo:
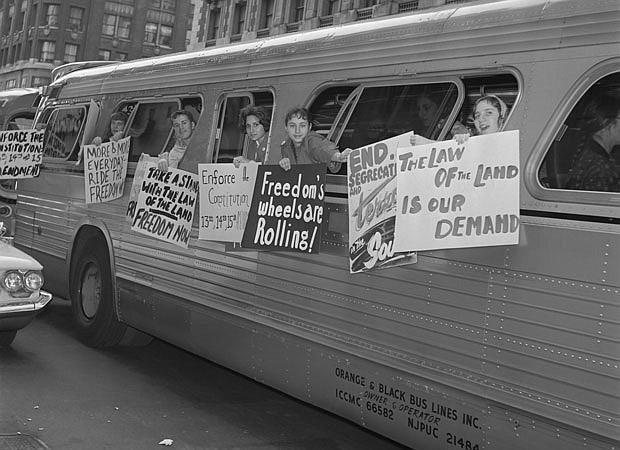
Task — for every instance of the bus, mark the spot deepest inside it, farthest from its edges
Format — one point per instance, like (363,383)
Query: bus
(505,347)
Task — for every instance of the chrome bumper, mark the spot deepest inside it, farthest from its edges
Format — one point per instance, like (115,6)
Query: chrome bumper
(23,305)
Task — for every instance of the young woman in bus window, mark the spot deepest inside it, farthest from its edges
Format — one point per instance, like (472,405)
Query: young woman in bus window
(594,167)
(254,121)
(489,113)
(183,125)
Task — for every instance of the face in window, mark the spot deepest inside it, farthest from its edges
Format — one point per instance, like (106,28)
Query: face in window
(117,126)
(183,127)
(297,129)
(487,118)
(427,110)
(254,128)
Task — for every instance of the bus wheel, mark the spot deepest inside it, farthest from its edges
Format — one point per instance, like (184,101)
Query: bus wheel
(92,299)
(6,337)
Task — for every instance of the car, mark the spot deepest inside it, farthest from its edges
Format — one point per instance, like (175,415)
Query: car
(21,297)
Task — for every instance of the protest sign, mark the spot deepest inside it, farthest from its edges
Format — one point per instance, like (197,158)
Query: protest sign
(105,168)
(454,195)
(21,154)
(287,209)
(225,198)
(371,178)
(144,161)
(165,206)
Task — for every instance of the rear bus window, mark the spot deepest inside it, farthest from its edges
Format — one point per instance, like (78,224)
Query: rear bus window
(585,154)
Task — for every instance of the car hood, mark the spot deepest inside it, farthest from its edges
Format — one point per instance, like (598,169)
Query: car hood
(12,258)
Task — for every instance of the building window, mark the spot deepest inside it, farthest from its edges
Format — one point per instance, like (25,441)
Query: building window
(71,51)
(214,24)
(76,19)
(121,56)
(239,18)
(266,14)
(159,23)
(158,34)
(40,81)
(297,10)
(117,19)
(367,3)
(48,49)
(24,83)
(9,22)
(51,14)
(10,84)
(104,55)
(330,7)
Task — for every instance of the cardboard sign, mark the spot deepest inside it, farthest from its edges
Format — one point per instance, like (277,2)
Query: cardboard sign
(287,209)
(105,169)
(21,154)
(225,199)
(144,161)
(372,206)
(452,196)
(166,203)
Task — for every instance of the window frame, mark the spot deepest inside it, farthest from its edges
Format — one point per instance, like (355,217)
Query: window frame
(76,144)
(542,146)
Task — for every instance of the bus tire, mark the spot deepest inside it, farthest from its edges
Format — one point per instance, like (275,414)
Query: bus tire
(6,338)
(92,296)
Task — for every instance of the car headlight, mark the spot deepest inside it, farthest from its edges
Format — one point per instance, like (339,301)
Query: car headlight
(33,281)
(13,281)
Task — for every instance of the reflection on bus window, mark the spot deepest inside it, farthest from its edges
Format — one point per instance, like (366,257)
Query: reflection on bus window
(585,154)
(387,111)
(63,131)
(150,127)
(326,106)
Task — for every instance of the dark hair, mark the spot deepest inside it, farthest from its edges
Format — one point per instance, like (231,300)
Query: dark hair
(119,115)
(297,111)
(601,111)
(259,112)
(182,112)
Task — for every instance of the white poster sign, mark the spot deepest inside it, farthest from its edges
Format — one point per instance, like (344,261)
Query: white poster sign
(105,169)
(21,154)
(454,195)
(166,203)
(225,199)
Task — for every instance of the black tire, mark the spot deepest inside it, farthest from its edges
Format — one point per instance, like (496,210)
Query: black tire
(91,291)
(6,338)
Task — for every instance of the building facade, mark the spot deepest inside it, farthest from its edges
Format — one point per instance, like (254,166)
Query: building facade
(38,35)
(218,22)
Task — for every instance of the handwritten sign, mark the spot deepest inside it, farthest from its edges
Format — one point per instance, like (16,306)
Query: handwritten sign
(105,168)
(225,198)
(372,206)
(452,196)
(287,209)
(165,206)
(21,153)
(138,176)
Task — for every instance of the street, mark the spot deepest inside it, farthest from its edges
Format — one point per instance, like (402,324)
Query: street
(69,396)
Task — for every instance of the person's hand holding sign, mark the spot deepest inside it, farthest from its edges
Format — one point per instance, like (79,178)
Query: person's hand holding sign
(285,163)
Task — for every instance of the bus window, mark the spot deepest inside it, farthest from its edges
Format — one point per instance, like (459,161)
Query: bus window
(585,154)
(62,132)
(387,111)
(21,122)
(150,127)
(231,139)
(326,107)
